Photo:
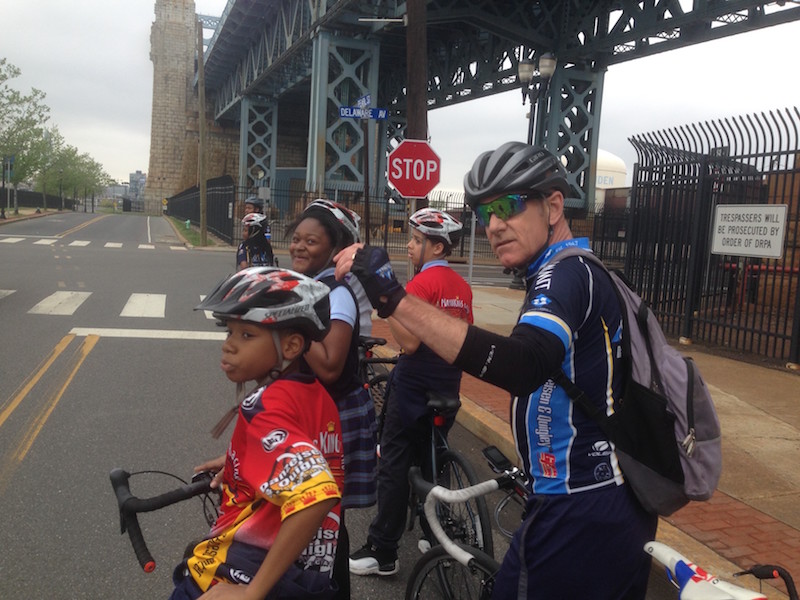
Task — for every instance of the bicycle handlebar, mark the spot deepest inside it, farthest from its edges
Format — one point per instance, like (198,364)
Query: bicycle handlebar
(432,493)
(130,506)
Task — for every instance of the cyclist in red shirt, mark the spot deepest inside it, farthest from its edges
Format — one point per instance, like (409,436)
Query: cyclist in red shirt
(419,370)
(281,477)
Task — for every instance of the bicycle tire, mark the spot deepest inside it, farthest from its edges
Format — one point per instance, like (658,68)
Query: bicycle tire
(438,575)
(378,387)
(465,522)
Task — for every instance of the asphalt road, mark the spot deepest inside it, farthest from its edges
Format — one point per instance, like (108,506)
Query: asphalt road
(92,379)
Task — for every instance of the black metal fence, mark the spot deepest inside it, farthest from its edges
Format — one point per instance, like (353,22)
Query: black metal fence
(742,302)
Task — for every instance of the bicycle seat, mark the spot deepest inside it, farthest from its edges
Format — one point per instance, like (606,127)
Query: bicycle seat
(370,342)
(440,403)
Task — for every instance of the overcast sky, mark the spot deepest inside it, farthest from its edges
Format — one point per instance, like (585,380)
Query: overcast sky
(92,60)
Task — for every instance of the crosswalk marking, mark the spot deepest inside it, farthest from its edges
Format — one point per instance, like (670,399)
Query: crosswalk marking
(150,334)
(145,305)
(60,303)
(81,243)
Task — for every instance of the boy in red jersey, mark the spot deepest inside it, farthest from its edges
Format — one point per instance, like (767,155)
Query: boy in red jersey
(406,427)
(276,534)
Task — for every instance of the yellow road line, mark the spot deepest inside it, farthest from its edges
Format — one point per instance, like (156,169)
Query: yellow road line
(12,461)
(81,226)
(80,355)
(34,378)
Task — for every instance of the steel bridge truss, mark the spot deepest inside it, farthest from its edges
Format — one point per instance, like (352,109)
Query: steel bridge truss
(265,49)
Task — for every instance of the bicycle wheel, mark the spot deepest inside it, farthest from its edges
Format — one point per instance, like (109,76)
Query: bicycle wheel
(465,522)
(438,575)
(378,387)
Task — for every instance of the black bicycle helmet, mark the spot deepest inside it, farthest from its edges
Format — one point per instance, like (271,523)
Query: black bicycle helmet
(275,297)
(513,168)
(255,201)
(346,219)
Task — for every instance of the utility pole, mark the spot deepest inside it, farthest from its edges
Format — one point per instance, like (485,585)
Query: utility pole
(417,76)
(201,145)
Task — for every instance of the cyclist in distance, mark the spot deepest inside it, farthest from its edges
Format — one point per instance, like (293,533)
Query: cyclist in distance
(276,533)
(584,530)
(255,249)
(253,204)
(406,428)
(317,235)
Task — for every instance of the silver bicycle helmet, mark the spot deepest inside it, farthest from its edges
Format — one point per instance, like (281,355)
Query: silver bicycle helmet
(433,222)
(275,297)
(512,168)
(254,222)
(346,217)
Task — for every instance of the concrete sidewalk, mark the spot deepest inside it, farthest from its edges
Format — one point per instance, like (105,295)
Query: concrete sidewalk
(754,517)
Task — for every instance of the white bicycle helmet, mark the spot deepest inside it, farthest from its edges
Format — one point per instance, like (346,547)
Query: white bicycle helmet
(346,217)
(254,222)
(514,167)
(275,297)
(433,222)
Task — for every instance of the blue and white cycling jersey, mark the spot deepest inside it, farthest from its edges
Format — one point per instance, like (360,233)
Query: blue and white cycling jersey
(562,449)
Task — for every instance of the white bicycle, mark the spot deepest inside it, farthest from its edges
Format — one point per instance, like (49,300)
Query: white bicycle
(456,571)
(695,583)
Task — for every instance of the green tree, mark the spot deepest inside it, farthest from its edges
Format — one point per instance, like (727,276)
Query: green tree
(23,118)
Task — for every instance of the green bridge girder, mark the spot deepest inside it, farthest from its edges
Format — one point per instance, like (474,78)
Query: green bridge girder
(266,51)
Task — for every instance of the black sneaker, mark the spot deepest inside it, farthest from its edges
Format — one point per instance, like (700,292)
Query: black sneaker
(371,560)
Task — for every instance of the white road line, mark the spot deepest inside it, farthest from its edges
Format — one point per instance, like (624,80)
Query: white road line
(145,305)
(60,303)
(151,334)
(80,243)
(113,245)
(11,240)
(44,242)
(4,293)
(146,247)
(177,247)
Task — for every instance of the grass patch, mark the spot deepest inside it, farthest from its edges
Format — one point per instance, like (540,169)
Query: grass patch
(192,234)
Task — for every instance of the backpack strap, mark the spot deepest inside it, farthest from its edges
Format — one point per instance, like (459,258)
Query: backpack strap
(577,395)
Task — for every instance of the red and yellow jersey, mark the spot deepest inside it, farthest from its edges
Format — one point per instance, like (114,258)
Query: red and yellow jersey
(285,455)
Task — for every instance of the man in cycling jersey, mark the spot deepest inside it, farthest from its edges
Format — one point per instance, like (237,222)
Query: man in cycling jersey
(584,530)
(406,429)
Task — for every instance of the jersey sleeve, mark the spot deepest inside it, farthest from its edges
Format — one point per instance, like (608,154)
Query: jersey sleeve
(343,307)
(559,300)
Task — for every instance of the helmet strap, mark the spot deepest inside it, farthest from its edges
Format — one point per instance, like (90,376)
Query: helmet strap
(418,267)
(284,363)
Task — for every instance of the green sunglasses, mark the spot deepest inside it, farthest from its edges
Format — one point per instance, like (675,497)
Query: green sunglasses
(503,207)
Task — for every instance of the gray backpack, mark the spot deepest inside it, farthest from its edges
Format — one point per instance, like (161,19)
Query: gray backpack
(664,428)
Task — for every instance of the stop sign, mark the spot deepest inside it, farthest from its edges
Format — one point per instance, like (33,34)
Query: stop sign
(413,168)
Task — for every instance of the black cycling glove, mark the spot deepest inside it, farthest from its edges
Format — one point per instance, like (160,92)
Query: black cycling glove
(372,268)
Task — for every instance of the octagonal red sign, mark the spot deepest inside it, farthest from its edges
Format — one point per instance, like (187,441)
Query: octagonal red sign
(414,168)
